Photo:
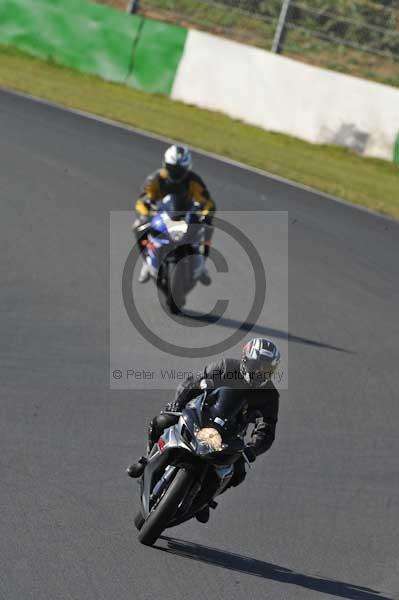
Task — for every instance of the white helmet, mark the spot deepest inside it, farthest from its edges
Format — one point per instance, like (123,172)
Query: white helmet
(177,161)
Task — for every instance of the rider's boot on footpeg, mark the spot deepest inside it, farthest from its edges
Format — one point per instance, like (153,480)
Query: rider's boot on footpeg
(203,515)
(137,469)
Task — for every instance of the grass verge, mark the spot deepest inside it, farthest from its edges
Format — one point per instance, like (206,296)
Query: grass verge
(370,182)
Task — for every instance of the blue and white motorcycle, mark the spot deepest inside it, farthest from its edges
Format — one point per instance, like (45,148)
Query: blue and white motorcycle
(174,249)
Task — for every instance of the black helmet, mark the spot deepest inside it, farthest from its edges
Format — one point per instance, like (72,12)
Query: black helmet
(259,359)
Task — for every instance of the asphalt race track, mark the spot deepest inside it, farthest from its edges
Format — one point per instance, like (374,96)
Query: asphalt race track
(318,517)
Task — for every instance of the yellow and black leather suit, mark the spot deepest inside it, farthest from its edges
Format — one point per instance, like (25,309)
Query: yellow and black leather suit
(158,185)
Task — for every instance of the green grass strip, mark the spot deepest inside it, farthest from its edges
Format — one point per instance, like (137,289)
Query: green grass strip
(370,182)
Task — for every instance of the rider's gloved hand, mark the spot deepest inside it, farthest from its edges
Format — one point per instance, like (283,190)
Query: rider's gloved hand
(207,384)
(250,453)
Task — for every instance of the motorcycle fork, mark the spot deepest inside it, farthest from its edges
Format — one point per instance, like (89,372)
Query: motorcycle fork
(194,491)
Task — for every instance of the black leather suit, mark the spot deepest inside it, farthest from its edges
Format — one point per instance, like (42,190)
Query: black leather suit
(262,407)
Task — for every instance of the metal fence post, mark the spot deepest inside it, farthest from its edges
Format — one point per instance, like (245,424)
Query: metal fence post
(279,37)
(132,6)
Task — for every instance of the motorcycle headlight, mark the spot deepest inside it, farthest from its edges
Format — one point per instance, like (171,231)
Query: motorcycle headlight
(210,438)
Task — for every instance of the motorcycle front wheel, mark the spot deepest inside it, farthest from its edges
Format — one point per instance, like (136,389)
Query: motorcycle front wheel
(139,521)
(162,514)
(175,296)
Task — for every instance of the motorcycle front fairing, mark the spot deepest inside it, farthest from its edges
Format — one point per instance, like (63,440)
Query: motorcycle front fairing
(158,238)
(170,450)
(174,444)
(174,234)
(179,445)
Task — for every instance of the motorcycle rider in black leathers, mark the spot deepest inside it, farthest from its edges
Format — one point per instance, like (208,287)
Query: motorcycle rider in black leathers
(175,177)
(251,376)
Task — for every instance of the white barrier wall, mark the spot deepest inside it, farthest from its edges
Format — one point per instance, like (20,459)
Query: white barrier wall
(284,95)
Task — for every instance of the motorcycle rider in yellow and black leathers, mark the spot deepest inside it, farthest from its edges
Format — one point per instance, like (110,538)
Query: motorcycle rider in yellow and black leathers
(175,177)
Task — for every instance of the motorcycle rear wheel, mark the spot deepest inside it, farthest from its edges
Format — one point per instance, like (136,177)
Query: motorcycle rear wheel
(159,518)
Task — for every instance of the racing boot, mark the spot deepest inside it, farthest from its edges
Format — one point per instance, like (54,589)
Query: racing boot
(137,469)
(205,278)
(144,273)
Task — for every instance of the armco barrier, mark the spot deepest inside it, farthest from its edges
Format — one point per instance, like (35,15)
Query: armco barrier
(95,39)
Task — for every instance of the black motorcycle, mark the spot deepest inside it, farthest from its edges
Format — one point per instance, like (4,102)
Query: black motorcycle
(192,463)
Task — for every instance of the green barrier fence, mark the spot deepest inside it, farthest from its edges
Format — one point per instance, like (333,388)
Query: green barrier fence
(157,56)
(95,39)
(396,150)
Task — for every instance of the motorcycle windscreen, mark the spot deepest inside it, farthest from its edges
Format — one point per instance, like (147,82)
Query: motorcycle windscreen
(176,206)
(224,409)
